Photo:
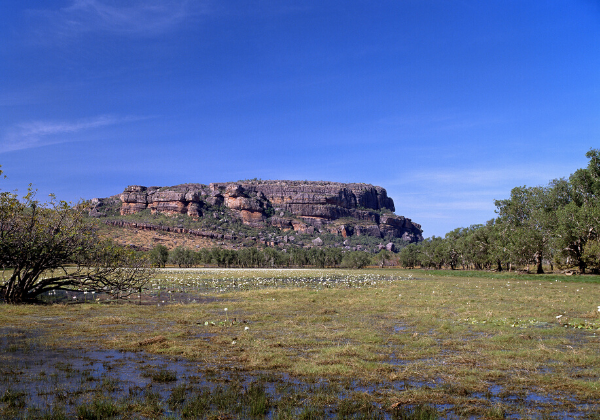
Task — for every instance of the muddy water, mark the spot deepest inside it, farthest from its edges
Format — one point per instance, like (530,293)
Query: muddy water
(68,378)
(166,298)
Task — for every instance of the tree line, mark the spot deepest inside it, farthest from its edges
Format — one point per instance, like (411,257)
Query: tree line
(557,225)
(254,257)
(50,246)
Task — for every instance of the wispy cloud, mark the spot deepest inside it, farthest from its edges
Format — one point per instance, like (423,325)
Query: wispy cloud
(530,175)
(449,198)
(440,122)
(42,133)
(133,17)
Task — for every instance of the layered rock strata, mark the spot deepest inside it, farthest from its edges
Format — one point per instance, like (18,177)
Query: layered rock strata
(302,206)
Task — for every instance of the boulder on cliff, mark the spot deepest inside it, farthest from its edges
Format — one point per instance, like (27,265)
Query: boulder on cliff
(317,242)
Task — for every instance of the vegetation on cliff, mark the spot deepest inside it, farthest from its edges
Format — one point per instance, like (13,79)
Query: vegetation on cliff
(284,214)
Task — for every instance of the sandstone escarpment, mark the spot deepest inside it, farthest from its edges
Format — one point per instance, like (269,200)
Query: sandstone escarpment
(301,206)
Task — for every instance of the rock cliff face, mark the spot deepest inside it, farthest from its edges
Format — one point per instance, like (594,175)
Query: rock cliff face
(302,206)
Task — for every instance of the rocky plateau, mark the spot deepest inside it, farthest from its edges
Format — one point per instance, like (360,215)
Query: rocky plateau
(304,207)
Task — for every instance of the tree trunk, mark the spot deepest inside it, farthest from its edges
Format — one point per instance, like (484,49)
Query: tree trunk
(579,254)
(13,295)
(538,261)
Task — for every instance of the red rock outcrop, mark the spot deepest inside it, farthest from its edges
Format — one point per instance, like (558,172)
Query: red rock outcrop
(300,205)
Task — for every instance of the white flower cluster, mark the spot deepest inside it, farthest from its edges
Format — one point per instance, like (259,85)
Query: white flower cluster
(220,280)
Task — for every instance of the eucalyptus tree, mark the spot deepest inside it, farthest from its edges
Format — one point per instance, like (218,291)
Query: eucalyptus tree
(333,257)
(221,257)
(433,252)
(298,257)
(382,257)
(578,218)
(409,256)
(182,257)
(454,247)
(528,218)
(591,256)
(497,245)
(317,257)
(203,256)
(475,246)
(271,257)
(159,255)
(249,257)
(355,259)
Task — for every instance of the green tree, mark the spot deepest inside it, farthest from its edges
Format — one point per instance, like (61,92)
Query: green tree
(159,255)
(204,256)
(298,257)
(477,248)
(578,218)
(529,218)
(53,246)
(591,256)
(496,245)
(316,257)
(382,257)
(432,252)
(271,257)
(333,257)
(409,256)
(229,257)
(217,257)
(182,257)
(453,247)
(355,259)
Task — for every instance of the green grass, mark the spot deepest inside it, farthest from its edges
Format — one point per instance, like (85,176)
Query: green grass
(515,276)
(161,375)
(98,409)
(455,335)
(13,398)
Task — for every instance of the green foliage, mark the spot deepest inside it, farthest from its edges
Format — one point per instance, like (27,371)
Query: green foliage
(159,255)
(382,257)
(258,400)
(250,402)
(50,246)
(554,224)
(177,397)
(591,256)
(196,406)
(355,259)
(410,256)
(182,257)
(269,211)
(253,257)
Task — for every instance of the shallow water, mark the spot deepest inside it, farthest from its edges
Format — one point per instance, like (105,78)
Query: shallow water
(68,377)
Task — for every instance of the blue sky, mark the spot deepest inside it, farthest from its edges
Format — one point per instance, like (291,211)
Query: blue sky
(446,104)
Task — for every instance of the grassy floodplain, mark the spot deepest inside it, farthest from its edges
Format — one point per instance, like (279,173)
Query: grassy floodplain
(235,343)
